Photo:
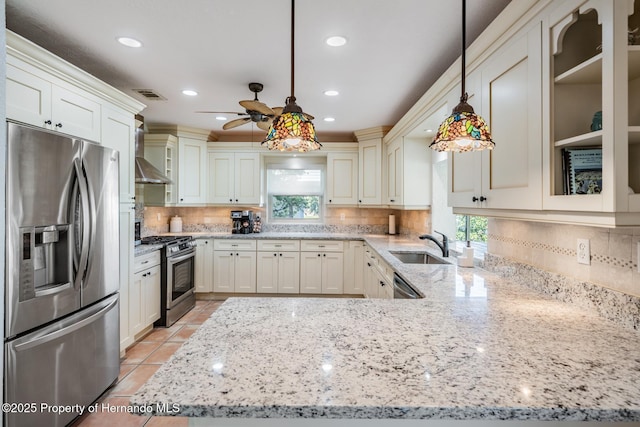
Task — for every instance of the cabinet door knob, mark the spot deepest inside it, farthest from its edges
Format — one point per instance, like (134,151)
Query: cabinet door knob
(275,254)
(329,200)
(47,122)
(381,283)
(231,200)
(236,200)
(481,198)
(280,254)
(231,254)
(59,125)
(359,201)
(324,254)
(318,254)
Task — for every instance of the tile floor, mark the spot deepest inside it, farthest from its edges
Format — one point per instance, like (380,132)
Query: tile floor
(140,362)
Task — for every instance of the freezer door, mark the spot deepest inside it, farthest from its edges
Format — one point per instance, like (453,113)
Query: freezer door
(71,362)
(41,178)
(102,277)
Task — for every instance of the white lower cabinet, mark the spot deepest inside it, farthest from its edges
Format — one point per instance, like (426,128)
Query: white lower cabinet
(234,266)
(144,292)
(204,265)
(353,268)
(321,267)
(378,276)
(278,266)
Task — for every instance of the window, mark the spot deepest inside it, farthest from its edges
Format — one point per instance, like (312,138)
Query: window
(477,229)
(295,191)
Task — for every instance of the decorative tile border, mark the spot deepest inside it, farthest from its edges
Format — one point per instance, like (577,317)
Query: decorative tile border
(599,258)
(619,307)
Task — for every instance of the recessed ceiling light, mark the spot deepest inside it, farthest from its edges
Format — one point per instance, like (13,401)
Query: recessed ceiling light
(329,119)
(429,130)
(331,92)
(336,41)
(129,42)
(221,118)
(189,92)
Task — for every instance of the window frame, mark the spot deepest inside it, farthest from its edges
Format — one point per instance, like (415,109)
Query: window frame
(296,163)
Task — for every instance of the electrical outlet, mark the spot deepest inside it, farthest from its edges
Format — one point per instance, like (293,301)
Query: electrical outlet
(584,252)
(158,217)
(342,217)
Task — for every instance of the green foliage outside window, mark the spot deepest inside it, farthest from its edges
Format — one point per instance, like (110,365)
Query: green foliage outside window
(298,207)
(477,228)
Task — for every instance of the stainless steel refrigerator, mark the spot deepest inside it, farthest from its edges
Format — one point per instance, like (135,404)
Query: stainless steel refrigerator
(62,275)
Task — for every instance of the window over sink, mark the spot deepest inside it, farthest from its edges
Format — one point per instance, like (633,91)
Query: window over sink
(295,189)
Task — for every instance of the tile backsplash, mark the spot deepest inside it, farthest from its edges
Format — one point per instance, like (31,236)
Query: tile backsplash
(337,220)
(553,248)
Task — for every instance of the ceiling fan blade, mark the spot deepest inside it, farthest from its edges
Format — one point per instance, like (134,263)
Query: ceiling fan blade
(308,116)
(235,123)
(222,112)
(257,106)
(264,125)
(277,110)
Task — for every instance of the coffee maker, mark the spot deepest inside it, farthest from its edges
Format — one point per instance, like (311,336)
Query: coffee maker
(242,222)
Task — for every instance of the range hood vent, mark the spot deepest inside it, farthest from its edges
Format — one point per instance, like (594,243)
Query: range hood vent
(146,173)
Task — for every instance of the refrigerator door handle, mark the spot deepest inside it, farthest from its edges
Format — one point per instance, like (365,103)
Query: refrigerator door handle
(84,249)
(91,207)
(67,330)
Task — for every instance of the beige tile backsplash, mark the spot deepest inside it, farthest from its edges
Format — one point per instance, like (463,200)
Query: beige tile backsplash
(553,247)
(407,222)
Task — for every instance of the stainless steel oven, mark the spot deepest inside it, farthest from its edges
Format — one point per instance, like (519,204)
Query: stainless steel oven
(177,272)
(180,278)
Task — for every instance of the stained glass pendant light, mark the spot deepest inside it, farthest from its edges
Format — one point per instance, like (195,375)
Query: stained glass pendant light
(463,130)
(292,130)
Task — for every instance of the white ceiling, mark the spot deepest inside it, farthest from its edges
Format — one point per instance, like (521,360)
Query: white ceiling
(395,51)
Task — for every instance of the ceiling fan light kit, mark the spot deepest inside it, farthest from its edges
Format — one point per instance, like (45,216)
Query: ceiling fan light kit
(463,130)
(292,130)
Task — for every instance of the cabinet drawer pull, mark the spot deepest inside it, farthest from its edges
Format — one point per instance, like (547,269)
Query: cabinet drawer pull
(59,125)
(47,122)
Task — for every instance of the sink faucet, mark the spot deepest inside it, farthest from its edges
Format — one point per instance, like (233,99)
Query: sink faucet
(444,246)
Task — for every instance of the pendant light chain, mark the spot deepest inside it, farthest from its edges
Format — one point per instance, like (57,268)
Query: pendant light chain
(293,29)
(463,96)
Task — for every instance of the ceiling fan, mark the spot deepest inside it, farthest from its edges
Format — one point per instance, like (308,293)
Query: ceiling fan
(256,111)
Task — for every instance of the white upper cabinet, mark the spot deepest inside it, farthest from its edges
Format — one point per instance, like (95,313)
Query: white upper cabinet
(233,178)
(161,150)
(506,92)
(342,178)
(192,171)
(370,165)
(118,132)
(512,106)
(39,99)
(595,67)
(408,173)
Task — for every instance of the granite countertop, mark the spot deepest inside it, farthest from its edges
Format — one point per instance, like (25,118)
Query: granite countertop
(145,249)
(477,347)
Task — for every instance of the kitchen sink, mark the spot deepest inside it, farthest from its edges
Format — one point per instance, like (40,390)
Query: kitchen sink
(417,258)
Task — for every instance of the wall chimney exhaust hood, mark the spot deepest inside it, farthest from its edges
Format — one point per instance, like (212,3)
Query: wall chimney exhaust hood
(146,173)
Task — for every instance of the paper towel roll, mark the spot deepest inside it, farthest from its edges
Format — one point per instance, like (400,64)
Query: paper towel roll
(392,224)
(466,260)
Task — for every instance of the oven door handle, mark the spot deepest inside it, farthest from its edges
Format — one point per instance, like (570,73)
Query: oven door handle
(174,260)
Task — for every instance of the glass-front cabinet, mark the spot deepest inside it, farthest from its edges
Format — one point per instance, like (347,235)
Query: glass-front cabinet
(593,122)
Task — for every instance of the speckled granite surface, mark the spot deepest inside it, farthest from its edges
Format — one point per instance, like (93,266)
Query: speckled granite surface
(145,249)
(477,347)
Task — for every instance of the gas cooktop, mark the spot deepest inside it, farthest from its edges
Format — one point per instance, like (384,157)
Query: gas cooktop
(163,240)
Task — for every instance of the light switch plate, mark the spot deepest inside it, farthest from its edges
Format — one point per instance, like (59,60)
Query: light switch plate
(584,252)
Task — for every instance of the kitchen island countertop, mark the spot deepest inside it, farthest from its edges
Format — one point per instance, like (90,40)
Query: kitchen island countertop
(477,347)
